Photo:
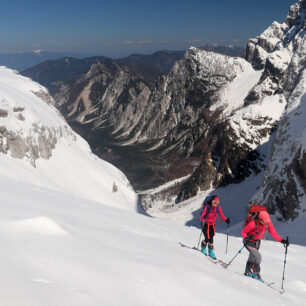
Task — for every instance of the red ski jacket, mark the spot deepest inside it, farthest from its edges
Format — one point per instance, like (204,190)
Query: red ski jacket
(212,215)
(258,231)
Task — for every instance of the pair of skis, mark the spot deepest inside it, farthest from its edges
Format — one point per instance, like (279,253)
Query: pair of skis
(269,284)
(218,261)
(226,265)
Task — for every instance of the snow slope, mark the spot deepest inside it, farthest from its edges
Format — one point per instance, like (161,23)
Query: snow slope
(37,147)
(59,249)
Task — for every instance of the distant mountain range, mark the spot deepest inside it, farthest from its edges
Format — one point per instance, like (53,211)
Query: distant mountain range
(52,73)
(56,68)
(161,60)
(21,61)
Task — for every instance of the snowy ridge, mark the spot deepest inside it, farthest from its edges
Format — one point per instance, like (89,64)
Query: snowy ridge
(37,147)
(253,124)
(231,96)
(19,95)
(284,179)
(210,63)
(283,188)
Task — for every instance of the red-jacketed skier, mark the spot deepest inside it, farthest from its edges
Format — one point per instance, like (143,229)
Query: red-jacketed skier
(208,220)
(252,234)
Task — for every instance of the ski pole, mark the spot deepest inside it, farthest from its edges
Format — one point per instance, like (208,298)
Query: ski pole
(227,238)
(235,256)
(200,238)
(286,251)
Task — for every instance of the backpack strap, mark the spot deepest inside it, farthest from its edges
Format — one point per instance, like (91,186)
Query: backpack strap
(218,212)
(208,209)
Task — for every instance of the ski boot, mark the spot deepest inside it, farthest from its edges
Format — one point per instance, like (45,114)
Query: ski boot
(203,249)
(258,277)
(211,253)
(248,273)
(253,275)
(249,269)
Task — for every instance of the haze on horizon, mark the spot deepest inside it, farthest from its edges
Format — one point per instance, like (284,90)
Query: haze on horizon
(120,27)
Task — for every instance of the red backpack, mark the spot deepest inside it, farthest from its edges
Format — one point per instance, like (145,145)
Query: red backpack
(252,214)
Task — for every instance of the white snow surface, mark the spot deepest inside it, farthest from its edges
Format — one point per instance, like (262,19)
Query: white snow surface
(231,96)
(270,109)
(59,249)
(72,167)
(18,91)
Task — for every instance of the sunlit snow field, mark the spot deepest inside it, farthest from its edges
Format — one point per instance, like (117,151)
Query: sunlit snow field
(59,249)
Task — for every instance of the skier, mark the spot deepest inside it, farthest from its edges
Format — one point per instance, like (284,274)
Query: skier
(252,234)
(208,220)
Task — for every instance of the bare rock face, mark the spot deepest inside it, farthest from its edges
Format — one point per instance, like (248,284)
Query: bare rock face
(175,119)
(180,99)
(202,178)
(225,160)
(170,118)
(108,95)
(39,145)
(3,113)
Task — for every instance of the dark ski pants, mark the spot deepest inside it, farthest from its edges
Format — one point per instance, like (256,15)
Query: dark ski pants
(209,233)
(254,260)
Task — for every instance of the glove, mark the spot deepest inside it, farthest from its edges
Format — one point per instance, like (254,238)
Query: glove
(246,240)
(285,242)
(251,237)
(228,220)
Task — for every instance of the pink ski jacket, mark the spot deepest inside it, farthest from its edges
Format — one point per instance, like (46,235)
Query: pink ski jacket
(212,215)
(258,231)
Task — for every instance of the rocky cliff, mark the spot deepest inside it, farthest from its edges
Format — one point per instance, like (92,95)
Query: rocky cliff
(284,185)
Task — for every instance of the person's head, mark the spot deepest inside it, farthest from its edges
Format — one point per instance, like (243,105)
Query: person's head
(264,218)
(215,200)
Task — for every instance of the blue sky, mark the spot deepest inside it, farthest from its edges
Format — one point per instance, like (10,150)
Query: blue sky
(117,27)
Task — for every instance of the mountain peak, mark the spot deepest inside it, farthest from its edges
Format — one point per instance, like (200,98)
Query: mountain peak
(297,13)
(37,51)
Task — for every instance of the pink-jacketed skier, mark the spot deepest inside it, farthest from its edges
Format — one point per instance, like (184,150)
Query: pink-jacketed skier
(252,234)
(208,220)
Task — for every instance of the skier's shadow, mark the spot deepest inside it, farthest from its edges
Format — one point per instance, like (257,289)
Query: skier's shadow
(188,247)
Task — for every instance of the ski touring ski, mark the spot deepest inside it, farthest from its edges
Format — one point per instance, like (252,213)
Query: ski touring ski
(268,284)
(226,265)
(215,261)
